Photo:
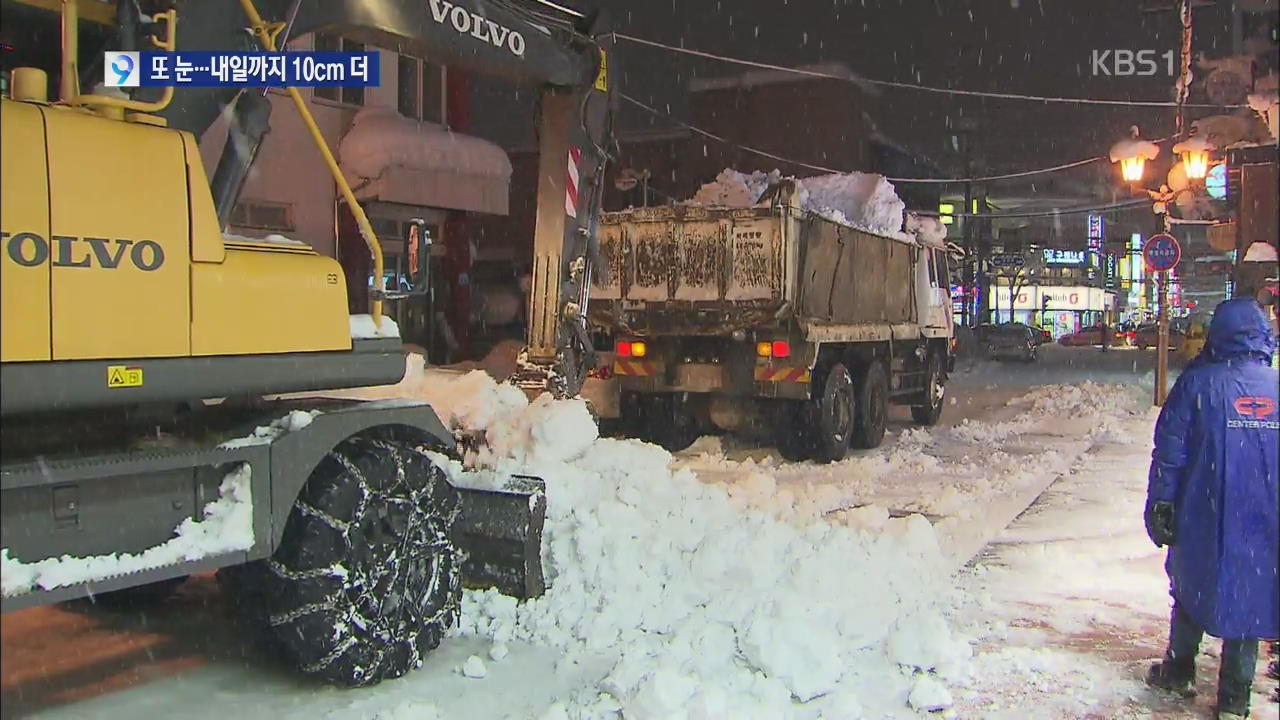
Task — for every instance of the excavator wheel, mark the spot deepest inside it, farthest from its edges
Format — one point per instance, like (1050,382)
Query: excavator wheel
(368,576)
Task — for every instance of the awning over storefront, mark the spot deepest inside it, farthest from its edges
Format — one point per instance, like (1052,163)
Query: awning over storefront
(395,159)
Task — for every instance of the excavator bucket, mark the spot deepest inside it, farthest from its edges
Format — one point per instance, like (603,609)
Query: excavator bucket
(500,532)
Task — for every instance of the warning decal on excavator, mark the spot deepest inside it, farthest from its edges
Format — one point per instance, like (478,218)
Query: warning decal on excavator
(120,376)
(602,78)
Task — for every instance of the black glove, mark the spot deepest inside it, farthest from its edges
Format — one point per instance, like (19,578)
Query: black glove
(1161,527)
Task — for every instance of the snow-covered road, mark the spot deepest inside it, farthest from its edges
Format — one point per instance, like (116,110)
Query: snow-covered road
(1010,435)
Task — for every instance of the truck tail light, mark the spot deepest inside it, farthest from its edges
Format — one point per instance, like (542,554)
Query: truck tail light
(631,348)
(764,349)
(781,349)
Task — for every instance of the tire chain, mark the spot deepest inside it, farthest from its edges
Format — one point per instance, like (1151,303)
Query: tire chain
(437,537)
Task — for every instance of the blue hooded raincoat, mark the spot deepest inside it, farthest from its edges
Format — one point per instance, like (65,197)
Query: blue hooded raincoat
(1215,459)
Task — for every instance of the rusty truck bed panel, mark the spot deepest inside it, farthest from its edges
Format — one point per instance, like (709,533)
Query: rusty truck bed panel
(691,254)
(710,271)
(851,277)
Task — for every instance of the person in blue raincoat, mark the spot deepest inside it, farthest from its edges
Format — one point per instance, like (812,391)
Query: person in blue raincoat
(1212,498)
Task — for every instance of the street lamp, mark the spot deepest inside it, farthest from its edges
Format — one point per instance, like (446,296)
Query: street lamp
(1195,156)
(1133,154)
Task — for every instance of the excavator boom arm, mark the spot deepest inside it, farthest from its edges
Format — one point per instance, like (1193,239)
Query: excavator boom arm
(569,63)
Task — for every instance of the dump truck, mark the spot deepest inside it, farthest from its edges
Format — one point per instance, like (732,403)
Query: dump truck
(771,320)
(145,354)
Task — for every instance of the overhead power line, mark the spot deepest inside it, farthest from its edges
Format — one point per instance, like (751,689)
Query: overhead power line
(914,86)
(990,216)
(890,83)
(821,168)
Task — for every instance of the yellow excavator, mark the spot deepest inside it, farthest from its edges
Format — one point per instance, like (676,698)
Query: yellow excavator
(139,343)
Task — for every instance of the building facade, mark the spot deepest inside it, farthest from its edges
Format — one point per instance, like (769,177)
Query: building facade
(403,148)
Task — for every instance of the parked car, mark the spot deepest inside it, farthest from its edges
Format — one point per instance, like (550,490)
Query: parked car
(1014,341)
(1093,336)
(1042,336)
(981,332)
(1148,336)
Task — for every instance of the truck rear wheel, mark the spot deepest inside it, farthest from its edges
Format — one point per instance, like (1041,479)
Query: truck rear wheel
(872,406)
(833,416)
(367,578)
(929,410)
(791,431)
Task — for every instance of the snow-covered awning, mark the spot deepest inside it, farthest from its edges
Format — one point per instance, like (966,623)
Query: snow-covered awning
(391,158)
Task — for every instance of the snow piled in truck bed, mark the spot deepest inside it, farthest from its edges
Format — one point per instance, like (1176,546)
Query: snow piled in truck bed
(227,526)
(862,200)
(865,201)
(717,600)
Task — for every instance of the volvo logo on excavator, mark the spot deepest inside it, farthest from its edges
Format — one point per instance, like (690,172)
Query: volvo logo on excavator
(477,26)
(31,250)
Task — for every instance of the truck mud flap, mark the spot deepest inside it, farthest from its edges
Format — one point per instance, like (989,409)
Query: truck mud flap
(500,531)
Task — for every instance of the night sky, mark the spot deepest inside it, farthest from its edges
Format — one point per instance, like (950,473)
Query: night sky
(1040,47)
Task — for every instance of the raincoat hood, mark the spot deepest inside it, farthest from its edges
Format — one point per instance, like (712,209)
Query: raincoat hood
(1240,329)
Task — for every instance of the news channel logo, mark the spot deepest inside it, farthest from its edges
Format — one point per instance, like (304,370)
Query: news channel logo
(121,69)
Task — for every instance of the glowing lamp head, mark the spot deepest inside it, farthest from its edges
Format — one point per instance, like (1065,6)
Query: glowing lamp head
(1197,164)
(1133,154)
(1131,168)
(1194,152)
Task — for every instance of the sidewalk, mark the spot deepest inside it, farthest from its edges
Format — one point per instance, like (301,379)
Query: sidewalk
(1070,605)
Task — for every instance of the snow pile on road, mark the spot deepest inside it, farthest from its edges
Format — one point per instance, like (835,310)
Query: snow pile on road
(363,328)
(717,600)
(1089,409)
(865,201)
(227,527)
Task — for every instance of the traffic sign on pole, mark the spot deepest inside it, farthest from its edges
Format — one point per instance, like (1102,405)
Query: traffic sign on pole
(1008,261)
(1162,252)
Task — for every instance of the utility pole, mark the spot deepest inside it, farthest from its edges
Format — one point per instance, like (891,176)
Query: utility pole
(983,240)
(1162,322)
(966,127)
(1162,343)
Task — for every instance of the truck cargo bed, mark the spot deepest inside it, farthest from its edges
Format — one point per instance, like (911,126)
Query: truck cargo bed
(710,270)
